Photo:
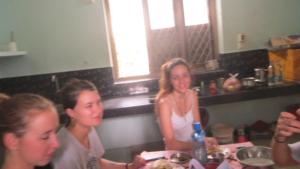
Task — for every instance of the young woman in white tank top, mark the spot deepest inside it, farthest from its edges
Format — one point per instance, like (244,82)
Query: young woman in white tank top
(177,106)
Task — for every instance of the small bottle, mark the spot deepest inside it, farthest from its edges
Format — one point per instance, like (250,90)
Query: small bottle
(278,74)
(12,44)
(241,136)
(199,152)
(270,75)
(213,90)
(202,88)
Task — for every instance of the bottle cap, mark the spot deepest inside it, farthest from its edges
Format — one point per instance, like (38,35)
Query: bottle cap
(197,126)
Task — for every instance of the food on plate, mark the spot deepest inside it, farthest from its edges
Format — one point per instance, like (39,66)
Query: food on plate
(161,164)
(258,162)
(180,158)
(214,149)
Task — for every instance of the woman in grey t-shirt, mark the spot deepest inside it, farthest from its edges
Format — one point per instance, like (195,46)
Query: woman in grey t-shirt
(81,147)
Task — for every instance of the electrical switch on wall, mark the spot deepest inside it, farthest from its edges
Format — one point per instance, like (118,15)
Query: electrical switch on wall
(241,40)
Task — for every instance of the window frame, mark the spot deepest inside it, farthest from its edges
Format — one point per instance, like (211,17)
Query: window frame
(180,29)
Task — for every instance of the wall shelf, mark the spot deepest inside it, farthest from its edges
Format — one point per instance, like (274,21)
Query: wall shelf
(11,54)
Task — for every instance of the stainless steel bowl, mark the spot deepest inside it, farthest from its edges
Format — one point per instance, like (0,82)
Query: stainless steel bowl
(256,156)
(248,82)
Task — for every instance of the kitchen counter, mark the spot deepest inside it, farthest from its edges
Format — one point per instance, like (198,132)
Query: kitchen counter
(130,105)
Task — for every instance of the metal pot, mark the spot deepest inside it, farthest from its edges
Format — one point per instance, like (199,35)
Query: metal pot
(256,156)
(248,82)
(260,74)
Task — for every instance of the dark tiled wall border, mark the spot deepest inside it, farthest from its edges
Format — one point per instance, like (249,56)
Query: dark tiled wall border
(43,84)
(242,62)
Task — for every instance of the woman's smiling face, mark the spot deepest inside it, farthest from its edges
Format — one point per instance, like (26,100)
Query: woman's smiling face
(88,110)
(180,78)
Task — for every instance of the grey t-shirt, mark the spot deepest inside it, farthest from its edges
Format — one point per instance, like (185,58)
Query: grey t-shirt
(73,155)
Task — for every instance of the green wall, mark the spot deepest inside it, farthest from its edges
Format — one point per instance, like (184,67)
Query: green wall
(6,22)
(59,35)
(64,35)
(258,19)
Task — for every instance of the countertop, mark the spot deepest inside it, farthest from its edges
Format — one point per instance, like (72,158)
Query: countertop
(138,104)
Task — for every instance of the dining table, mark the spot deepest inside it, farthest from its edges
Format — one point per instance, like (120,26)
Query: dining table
(230,160)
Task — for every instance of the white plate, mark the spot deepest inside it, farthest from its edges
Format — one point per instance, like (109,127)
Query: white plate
(173,165)
(227,152)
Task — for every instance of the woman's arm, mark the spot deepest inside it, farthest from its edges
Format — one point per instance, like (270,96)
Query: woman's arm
(107,164)
(166,128)
(281,153)
(137,163)
(196,113)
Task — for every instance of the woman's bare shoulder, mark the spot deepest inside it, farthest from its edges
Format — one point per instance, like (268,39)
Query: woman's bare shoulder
(165,100)
(193,93)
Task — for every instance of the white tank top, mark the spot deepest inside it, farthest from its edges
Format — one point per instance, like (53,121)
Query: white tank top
(183,125)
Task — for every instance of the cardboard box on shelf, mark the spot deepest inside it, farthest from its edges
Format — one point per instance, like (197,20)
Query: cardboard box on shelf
(289,61)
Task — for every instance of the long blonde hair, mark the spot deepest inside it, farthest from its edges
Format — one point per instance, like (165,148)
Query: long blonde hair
(165,86)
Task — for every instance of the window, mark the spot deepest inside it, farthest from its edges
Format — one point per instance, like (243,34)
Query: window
(146,33)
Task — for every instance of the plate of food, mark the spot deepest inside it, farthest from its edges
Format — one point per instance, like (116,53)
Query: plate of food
(180,157)
(217,149)
(163,164)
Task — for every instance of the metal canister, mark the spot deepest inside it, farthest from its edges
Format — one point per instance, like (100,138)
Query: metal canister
(260,74)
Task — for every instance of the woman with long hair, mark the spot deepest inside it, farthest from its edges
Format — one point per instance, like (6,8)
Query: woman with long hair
(176,106)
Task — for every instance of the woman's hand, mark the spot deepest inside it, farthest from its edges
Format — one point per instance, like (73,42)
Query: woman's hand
(287,125)
(138,162)
(211,142)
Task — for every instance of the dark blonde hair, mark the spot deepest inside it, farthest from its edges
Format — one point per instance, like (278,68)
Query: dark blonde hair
(71,90)
(69,93)
(16,111)
(165,86)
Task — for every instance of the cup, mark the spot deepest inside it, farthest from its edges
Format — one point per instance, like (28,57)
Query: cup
(294,109)
(297,113)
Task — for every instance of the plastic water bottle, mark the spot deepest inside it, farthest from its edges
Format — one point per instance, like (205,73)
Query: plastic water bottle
(199,152)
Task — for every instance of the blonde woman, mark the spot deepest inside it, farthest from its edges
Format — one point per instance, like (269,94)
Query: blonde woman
(28,123)
(177,107)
